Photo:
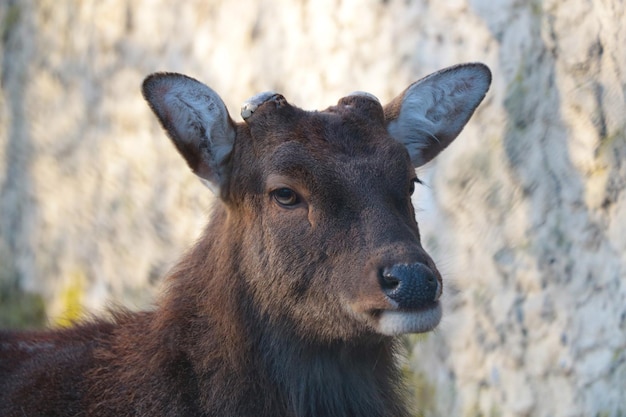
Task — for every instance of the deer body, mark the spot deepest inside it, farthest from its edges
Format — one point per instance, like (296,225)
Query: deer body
(309,267)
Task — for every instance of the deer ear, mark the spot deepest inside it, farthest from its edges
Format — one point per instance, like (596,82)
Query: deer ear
(431,113)
(196,120)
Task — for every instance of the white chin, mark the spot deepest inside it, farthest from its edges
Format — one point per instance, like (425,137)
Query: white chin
(395,322)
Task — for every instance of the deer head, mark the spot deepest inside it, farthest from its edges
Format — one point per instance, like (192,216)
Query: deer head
(317,205)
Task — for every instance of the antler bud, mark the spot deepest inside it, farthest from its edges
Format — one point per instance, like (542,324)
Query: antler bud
(364,94)
(253,103)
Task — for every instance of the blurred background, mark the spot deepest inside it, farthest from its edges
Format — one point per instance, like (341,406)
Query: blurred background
(525,213)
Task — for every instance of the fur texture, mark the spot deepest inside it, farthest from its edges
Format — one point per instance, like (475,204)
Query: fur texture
(276,310)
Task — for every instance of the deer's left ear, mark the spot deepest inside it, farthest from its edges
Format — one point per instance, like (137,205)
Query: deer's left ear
(431,113)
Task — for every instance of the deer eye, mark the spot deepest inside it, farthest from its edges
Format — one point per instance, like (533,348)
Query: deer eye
(286,197)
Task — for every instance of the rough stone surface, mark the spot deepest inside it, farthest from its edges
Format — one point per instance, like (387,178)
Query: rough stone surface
(526,214)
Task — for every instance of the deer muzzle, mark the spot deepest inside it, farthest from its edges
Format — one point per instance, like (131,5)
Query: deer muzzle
(413,292)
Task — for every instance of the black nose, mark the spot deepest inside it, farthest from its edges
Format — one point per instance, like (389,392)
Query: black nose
(411,286)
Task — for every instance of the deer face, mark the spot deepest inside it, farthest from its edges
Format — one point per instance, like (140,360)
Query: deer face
(321,201)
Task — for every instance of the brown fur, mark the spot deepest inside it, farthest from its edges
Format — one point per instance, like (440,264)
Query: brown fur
(273,312)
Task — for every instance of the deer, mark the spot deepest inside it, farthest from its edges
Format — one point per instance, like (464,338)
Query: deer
(292,301)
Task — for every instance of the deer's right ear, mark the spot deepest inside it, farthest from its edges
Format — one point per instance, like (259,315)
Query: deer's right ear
(196,120)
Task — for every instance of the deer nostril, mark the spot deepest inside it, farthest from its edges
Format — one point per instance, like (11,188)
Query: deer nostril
(389,282)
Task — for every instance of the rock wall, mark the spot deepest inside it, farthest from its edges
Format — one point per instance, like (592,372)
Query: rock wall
(526,214)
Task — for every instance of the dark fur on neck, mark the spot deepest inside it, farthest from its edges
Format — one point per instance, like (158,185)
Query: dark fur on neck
(340,380)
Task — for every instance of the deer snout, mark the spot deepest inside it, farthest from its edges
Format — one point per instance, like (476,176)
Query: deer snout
(410,286)
(399,297)
(412,294)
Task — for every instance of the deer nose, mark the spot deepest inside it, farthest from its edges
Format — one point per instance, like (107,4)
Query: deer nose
(411,286)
